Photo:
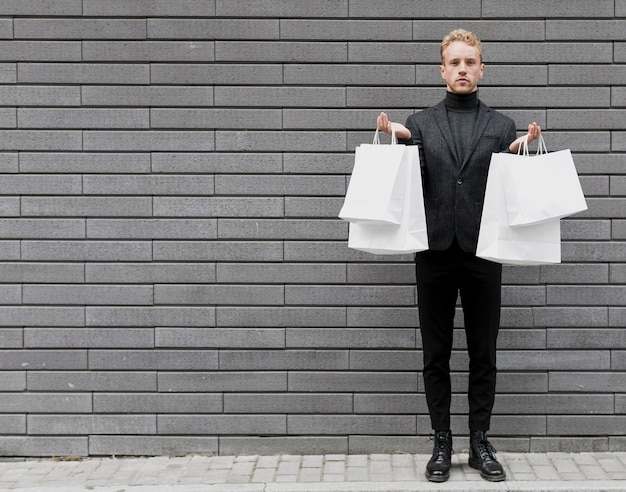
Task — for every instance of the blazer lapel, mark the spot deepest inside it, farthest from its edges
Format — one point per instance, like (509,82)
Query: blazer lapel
(442,120)
(484,115)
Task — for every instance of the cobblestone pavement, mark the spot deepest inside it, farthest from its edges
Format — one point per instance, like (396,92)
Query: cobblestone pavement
(329,473)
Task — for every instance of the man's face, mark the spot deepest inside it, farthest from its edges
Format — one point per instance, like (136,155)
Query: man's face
(462,68)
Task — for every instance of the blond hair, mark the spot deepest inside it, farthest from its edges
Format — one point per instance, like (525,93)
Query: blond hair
(464,36)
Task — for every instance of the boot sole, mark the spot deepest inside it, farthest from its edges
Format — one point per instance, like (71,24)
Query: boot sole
(438,478)
(489,478)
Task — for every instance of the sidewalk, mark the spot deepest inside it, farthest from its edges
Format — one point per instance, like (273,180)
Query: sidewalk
(553,472)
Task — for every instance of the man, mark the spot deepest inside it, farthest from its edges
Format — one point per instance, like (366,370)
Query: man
(456,139)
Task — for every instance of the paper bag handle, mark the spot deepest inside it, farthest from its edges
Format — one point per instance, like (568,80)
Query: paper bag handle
(541,148)
(394,140)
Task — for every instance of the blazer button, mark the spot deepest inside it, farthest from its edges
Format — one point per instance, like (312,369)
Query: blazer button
(459,181)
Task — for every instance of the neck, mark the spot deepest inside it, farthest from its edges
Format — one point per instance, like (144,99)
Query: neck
(461,101)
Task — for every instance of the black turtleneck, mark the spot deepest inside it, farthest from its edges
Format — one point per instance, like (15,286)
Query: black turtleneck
(462,110)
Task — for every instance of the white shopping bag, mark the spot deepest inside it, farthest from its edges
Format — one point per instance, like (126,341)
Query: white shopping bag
(542,187)
(376,190)
(410,235)
(514,245)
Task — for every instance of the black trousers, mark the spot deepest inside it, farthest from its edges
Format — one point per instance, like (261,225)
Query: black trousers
(441,276)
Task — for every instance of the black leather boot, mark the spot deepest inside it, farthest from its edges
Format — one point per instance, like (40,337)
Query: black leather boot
(482,457)
(438,468)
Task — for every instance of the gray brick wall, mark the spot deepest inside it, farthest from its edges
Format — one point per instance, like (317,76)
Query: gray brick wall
(173,277)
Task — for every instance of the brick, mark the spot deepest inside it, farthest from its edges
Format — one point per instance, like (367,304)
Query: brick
(353,74)
(88,338)
(617,273)
(150,316)
(42,228)
(213,29)
(281,229)
(10,250)
(13,424)
(151,273)
(523,295)
(6,29)
(30,95)
(287,8)
(593,252)
(46,403)
(415,9)
(11,338)
(596,119)
(280,316)
(581,338)
(83,73)
(619,141)
(333,251)
(390,338)
(219,74)
(158,402)
(386,403)
(44,446)
(156,360)
(546,97)
(397,360)
(79,29)
(576,8)
(13,381)
(218,207)
(616,316)
(620,52)
(281,51)
(587,425)
(41,316)
(83,162)
(182,163)
(586,295)
(298,207)
(83,118)
(91,381)
(350,296)
(25,184)
(555,360)
(585,229)
(521,339)
(87,250)
(88,294)
(8,73)
(91,424)
(353,381)
(152,228)
(10,294)
(399,52)
(220,295)
(365,30)
(43,359)
(232,382)
(580,404)
(389,97)
(86,206)
(596,74)
(158,96)
(222,424)
(279,185)
(9,163)
(148,140)
(216,118)
(231,360)
(354,424)
(599,382)
(280,96)
(289,403)
(230,141)
(10,206)
(279,273)
(330,163)
(220,337)
(152,446)
(34,140)
(487,30)
(151,8)
(570,316)
(217,251)
(335,118)
(39,51)
(618,361)
(148,51)
(8,118)
(147,185)
(527,425)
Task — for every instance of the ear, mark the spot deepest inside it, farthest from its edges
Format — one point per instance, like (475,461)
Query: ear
(442,71)
(482,70)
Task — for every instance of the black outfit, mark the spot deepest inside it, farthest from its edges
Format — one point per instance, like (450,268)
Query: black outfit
(456,139)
